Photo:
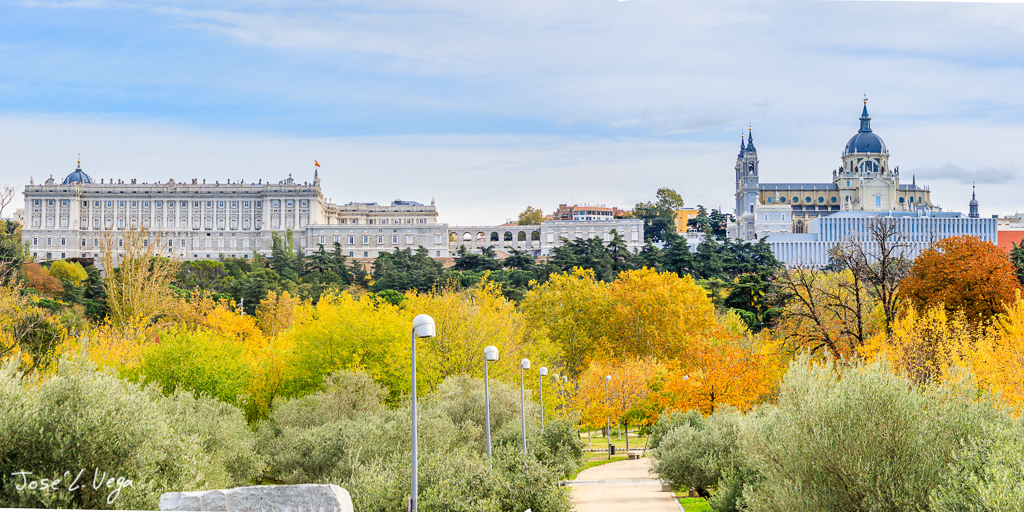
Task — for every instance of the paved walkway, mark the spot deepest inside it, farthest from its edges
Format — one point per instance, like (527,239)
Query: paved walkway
(624,486)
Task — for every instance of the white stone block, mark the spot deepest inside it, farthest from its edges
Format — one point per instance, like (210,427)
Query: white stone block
(262,498)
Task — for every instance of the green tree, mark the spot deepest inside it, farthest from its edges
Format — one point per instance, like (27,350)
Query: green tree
(531,217)
(486,260)
(404,270)
(669,198)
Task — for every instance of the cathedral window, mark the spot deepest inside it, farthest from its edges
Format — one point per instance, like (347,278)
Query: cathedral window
(796,199)
(878,201)
(821,199)
(807,199)
(901,200)
(771,199)
(834,199)
(911,199)
(782,199)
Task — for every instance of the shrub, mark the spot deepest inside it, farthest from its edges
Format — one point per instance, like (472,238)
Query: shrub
(987,474)
(699,452)
(668,422)
(81,419)
(857,438)
(197,361)
(365,448)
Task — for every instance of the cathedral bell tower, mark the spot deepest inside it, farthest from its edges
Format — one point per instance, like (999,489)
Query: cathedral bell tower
(747,188)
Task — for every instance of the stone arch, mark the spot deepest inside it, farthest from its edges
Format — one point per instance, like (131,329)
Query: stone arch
(494,236)
(535,236)
(521,237)
(453,237)
(481,237)
(467,237)
(508,236)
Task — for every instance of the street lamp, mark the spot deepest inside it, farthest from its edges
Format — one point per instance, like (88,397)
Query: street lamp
(490,354)
(608,432)
(422,327)
(543,372)
(523,365)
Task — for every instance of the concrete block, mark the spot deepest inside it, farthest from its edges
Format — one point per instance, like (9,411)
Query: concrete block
(262,498)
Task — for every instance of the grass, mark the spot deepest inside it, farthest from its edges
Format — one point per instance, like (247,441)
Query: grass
(599,462)
(695,505)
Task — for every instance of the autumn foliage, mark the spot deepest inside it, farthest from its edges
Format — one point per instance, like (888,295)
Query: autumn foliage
(963,273)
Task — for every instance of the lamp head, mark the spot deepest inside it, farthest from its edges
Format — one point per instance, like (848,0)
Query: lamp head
(491,353)
(423,326)
(543,371)
(554,376)
(524,364)
(607,378)
(565,379)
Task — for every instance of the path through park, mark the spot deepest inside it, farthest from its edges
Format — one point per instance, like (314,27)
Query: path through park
(624,486)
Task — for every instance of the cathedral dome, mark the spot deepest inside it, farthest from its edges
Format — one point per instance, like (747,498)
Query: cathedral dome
(77,176)
(865,141)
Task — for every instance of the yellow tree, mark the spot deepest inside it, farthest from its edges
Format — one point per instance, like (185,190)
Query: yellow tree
(136,277)
(466,322)
(275,313)
(570,309)
(657,314)
(341,332)
(827,313)
(999,357)
(925,345)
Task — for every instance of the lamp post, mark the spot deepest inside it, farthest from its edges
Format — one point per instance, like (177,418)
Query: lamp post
(523,365)
(541,373)
(608,419)
(422,327)
(490,354)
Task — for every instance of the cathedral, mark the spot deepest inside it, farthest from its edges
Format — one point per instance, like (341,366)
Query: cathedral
(864,183)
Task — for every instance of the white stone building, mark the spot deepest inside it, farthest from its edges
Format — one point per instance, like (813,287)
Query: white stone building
(200,220)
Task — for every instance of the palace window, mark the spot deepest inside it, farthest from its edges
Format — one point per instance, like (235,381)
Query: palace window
(49,202)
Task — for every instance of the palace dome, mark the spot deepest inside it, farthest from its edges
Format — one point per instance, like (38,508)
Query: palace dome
(865,141)
(77,176)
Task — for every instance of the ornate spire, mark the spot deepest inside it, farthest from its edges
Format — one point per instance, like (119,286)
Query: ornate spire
(743,146)
(974,204)
(865,119)
(750,139)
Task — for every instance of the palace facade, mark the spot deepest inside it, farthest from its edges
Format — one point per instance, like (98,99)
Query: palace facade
(199,220)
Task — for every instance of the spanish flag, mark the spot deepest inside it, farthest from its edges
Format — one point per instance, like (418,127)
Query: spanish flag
(316,163)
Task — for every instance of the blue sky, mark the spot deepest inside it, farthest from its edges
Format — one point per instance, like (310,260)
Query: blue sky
(488,107)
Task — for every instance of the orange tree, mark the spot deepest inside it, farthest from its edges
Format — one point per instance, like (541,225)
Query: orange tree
(962,273)
(714,374)
(626,398)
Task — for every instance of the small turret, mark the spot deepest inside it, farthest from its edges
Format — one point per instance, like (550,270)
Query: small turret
(974,205)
